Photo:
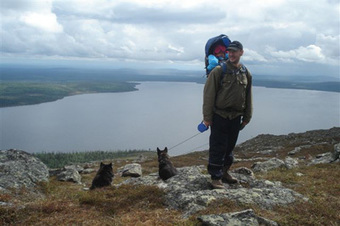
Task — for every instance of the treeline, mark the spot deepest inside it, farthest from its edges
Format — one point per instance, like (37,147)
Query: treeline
(333,86)
(26,93)
(58,160)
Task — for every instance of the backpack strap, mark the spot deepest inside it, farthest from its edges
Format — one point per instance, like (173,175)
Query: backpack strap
(224,66)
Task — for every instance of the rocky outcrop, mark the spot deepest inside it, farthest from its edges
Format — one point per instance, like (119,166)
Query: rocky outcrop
(267,143)
(275,163)
(291,163)
(270,164)
(190,190)
(245,217)
(327,157)
(131,170)
(19,169)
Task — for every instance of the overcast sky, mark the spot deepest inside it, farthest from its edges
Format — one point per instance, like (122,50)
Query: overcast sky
(293,37)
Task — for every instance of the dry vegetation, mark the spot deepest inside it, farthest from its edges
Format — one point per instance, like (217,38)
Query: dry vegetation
(68,204)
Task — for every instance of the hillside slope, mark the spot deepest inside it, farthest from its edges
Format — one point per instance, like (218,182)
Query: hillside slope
(312,176)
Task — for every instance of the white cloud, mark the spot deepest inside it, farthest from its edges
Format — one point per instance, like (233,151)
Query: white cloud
(310,53)
(171,30)
(251,55)
(45,21)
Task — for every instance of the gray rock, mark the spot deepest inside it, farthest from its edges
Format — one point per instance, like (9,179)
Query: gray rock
(270,164)
(54,172)
(242,218)
(327,157)
(132,170)
(336,153)
(75,167)
(19,169)
(190,190)
(70,175)
(251,159)
(266,152)
(296,150)
(88,171)
(291,162)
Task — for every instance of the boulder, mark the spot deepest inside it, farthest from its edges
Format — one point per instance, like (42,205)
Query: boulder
(291,163)
(190,190)
(245,217)
(70,175)
(132,170)
(270,164)
(79,168)
(19,169)
(322,158)
(328,157)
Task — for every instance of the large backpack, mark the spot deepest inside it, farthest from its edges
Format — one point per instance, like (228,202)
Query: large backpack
(210,45)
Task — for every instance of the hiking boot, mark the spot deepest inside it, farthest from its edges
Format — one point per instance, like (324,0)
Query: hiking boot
(227,178)
(217,184)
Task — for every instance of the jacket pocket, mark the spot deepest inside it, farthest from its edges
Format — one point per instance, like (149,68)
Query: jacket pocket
(232,94)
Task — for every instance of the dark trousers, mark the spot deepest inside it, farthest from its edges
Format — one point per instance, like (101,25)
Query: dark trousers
(223,138)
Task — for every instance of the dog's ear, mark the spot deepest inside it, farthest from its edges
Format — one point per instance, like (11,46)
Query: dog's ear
(158,151)
(166,149)
(110,164)
(101,164)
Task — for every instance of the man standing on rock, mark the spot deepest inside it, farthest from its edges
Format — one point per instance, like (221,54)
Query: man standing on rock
(227,109)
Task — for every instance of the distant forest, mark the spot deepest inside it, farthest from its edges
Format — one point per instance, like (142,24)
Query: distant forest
(25,86)
(59,160)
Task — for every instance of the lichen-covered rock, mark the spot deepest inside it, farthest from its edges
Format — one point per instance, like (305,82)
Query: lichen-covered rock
(19,169)
(70,175)
(270,164)
(327,157)
(322,158)
(291,162)
(79,168)
(245,217)
(190,190)
(132,170)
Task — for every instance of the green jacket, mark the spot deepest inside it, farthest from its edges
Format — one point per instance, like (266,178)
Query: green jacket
(230,97)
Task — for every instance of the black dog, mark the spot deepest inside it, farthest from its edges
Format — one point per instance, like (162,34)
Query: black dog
(103,177)
(166,168)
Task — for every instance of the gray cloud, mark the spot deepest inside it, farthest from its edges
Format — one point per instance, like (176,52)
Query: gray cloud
(172,32)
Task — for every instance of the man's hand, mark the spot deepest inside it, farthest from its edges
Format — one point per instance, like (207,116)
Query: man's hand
(206,123)
(242,125)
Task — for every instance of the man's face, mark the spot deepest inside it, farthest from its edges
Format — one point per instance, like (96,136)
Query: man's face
(235,56)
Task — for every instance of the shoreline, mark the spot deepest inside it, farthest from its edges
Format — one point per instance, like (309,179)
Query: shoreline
(128,86)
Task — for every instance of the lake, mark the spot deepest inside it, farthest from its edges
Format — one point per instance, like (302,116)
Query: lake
(159,114)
